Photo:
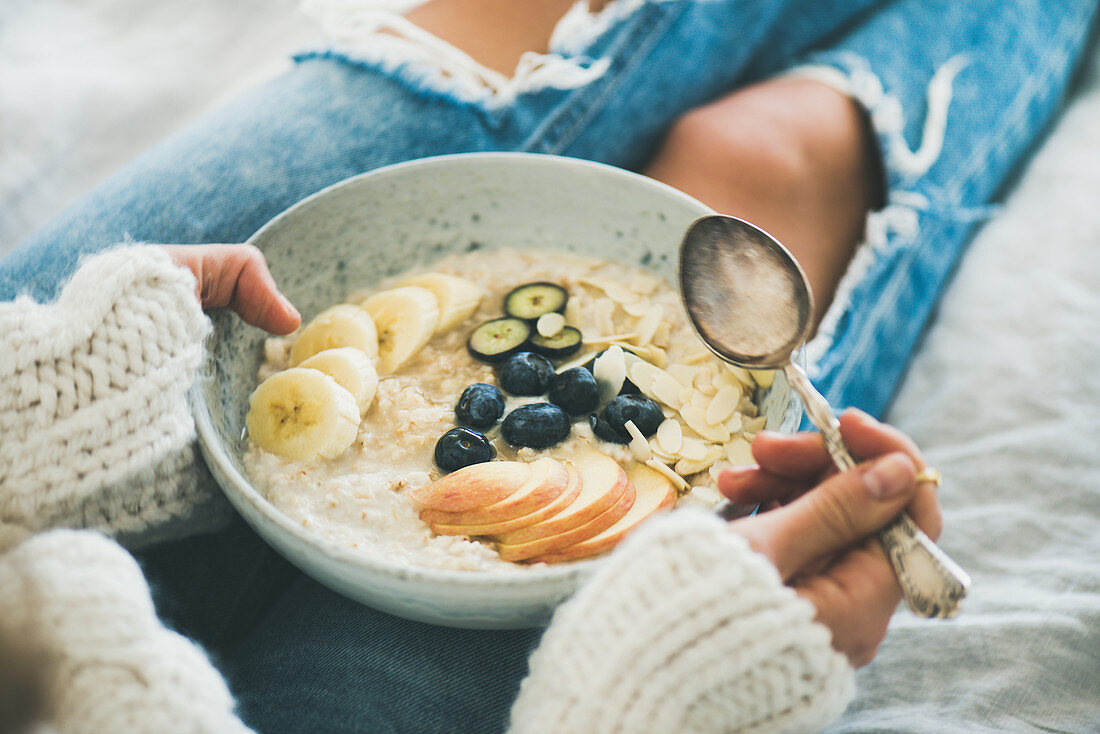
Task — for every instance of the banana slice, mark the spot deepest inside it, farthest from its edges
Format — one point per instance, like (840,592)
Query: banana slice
(406,318)
(352,370)
(458,298)
(302,414)
(345,325)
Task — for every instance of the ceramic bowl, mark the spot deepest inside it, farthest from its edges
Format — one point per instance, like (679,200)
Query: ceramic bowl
(372,226)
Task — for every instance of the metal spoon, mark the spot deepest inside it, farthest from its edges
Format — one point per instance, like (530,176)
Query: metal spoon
(751,304)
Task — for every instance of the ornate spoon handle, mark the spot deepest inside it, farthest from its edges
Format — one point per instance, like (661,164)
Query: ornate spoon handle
(933,584)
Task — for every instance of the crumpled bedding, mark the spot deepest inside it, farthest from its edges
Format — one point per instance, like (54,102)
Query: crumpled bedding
(1004,394)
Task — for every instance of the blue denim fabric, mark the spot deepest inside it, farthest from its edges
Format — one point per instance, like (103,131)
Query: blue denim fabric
(301,658)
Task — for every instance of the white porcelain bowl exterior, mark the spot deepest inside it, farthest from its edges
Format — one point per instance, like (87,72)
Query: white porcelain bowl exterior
(381,223)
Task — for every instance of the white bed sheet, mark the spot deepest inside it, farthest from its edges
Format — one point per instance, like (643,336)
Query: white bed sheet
(1004,395)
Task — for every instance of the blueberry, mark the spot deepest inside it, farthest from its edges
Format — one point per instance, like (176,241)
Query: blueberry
(526,373)
(645,413)
(538,425)
(575,391)
(480,406)
(461,447)
(604,431)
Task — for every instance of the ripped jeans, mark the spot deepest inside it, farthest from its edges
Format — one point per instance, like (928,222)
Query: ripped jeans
(957,93)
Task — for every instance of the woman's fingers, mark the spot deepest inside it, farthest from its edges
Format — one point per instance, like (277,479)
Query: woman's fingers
(796,456)
(237,277)
(803,455)
(842,511)
(855,599)
(753,485)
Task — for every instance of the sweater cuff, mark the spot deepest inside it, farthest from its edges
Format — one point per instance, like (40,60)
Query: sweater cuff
(684,628)
(96,429)
(76,607)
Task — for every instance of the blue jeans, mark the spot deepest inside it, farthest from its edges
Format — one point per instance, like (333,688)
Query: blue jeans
(301,658)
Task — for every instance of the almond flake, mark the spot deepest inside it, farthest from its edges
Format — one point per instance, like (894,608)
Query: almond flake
(691,466)
(703,382)
(696,356)
(723,404)
(685,373)
(643,374)
(579,361)
(573,312)
(609,370)
(660,453)
(692,449)
(696,418)
(669,436)
(754,425)
(550,324)
(648,324)
(672,476)
(602,311)
(663,335)
(734,422)
(747,406)
(639,446)
(739,452)
(686,394)
(614,289)
(620,339)
(706,494)
(743,376)
(637,309)
(644,284)
(667,389)
(653,355)
(763,378)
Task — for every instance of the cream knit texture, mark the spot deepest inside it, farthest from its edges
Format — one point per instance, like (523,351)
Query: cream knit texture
(685,629)
(94,421)
(80,603)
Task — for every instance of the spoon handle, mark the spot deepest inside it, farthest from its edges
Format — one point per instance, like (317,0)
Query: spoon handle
(933,584)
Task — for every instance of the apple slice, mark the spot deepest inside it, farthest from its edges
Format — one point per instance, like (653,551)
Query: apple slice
(477,485)
(547,480)
(655,492)
(602,484)
(551,543)
(572,491)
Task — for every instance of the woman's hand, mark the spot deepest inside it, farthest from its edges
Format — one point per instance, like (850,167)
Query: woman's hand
(820,534)
(236,276)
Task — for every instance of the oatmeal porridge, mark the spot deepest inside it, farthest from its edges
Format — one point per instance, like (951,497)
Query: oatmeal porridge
(505,406)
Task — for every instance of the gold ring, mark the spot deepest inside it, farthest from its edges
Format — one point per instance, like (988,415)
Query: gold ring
(930,474)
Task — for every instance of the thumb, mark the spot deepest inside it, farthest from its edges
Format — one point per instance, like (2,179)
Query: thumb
(841,511)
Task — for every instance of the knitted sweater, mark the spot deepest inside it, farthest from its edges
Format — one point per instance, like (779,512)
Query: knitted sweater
(683,629)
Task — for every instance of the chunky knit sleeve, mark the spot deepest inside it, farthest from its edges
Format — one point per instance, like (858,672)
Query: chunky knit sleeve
(684,629)
(94,426)
(78,608)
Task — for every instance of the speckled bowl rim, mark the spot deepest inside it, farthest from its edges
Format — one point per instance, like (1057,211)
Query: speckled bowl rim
(240,488)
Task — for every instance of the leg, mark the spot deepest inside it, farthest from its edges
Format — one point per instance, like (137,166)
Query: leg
(319,662)
(790,155)
(793,155)
(338,114)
